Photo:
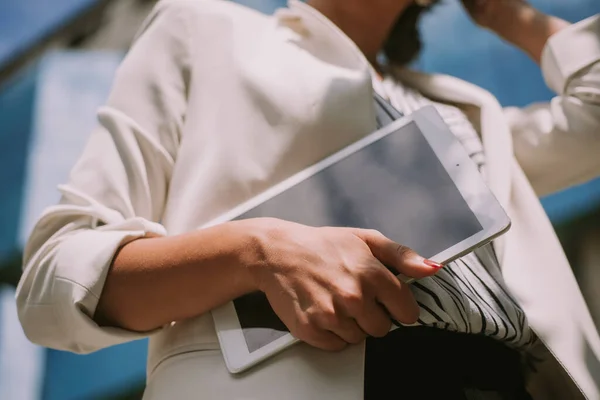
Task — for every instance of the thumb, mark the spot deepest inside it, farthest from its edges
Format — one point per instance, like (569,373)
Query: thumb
(395,256)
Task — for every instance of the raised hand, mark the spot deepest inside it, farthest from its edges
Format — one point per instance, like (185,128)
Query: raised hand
(493,14)
(517,22)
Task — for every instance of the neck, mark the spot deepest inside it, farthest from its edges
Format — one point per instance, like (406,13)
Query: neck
(367,25)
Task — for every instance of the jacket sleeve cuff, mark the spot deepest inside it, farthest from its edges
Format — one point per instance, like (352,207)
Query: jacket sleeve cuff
(80,288)
(570,51)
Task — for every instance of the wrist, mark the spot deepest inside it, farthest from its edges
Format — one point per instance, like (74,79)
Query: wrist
(254,254)
(229,248)
(508,19)
(526,27)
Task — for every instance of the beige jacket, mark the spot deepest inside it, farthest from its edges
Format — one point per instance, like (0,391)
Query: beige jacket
(214,104)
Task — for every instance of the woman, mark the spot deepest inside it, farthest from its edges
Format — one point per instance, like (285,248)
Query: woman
(214,104)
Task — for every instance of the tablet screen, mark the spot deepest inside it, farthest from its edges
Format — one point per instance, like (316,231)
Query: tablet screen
(395,185)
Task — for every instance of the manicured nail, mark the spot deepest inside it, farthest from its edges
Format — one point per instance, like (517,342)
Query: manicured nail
(433,264)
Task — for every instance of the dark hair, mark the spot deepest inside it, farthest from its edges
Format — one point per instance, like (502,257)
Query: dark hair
(404,42)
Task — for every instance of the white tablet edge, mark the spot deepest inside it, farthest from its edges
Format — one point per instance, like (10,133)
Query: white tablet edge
(487,209)
(233,343)
(462,171)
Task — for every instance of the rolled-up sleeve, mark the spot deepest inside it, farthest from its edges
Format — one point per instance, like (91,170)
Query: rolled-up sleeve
(116,192)
(557,143)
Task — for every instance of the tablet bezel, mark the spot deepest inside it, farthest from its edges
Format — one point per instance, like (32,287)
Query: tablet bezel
(455,160)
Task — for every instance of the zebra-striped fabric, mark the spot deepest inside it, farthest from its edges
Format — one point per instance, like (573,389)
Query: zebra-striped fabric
(467,295)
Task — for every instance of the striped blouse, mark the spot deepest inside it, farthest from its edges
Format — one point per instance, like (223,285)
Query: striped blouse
(467,295)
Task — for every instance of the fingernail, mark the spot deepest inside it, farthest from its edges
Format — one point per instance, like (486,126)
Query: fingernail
(432,264)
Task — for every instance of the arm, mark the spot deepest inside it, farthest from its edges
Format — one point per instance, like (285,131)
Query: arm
(115,194)
(101,270)
(158,280)
(516,22)
(556,143)
(303,271)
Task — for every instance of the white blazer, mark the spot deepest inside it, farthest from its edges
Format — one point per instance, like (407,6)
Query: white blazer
(214,104)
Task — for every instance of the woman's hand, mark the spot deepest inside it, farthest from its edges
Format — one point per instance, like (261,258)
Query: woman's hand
(517,22)
(494,14)
(330,286)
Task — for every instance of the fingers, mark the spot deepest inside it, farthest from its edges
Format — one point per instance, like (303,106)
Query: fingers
(381,296)
(324,326)
(339,323)
(469,4)
(396,297)
(374,320)
(322,339)
(349,331)
(401,258)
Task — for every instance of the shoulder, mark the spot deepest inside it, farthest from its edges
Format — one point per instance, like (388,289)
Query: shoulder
(202,10)
(205,24)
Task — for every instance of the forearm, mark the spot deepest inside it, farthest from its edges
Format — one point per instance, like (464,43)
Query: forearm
(526,28)
(155,281)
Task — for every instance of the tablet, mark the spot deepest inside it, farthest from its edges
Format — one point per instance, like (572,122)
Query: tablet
(411,180)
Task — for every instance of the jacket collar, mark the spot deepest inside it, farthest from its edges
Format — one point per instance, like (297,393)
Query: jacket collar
(310,23)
